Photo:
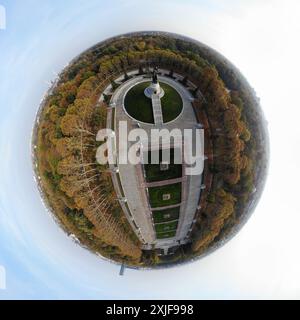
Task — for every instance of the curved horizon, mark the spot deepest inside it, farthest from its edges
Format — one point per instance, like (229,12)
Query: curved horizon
(41,262)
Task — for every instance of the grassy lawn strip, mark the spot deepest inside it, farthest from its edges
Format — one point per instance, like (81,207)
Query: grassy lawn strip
(138,105)
(166,215)
(171,103)
(153,172)
(156,195)
(164,227)
(165,235)
(113,114)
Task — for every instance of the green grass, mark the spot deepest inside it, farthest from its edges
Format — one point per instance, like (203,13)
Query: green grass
(171,103)
(166,215)
(165,235)
(153,172)
(139,106)
(113,114)
(166,227)
(156,195)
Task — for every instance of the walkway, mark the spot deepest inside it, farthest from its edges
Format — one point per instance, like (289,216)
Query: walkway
(131,175)
(157,112)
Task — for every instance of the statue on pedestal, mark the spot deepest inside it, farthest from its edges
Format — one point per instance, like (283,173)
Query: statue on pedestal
(154,75)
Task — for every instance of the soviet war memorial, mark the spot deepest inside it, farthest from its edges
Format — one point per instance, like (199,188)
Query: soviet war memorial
(164,209)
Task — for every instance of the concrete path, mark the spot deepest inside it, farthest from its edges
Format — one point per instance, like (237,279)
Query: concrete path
(157,112)
(164,182)
(131,175)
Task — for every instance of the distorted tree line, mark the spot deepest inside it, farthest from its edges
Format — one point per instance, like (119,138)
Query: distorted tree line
(81,191)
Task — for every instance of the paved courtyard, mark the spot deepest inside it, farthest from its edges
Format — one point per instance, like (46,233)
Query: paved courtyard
(135,192)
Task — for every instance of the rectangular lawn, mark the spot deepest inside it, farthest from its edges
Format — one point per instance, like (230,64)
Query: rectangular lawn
(165,195)
(166,227)
(166,215)
(154,172)
(165,235)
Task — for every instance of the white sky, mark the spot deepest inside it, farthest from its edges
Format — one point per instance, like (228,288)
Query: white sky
(260,37)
